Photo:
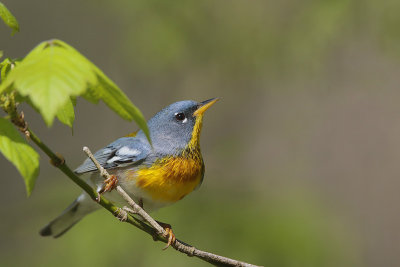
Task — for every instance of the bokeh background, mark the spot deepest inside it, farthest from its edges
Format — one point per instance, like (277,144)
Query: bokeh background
(302,152)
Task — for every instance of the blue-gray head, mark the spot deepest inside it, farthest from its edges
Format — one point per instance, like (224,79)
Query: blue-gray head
(178,126)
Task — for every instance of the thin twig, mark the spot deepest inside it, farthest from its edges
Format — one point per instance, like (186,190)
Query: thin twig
(136,208)
(178,245)
(60,164)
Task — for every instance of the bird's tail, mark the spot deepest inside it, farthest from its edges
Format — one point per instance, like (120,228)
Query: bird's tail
(82,206)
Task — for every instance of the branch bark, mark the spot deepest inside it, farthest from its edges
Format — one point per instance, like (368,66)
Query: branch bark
(178,245)
(155,230)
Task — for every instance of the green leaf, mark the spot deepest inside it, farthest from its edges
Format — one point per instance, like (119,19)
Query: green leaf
(50,75)
(22,155)
(1,53)
(5,67)
(66,113)
(54,72)
(9,19)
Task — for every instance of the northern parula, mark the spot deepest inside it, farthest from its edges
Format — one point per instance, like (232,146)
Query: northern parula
(153,175)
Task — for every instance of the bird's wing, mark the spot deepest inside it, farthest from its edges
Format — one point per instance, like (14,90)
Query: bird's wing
(123,152)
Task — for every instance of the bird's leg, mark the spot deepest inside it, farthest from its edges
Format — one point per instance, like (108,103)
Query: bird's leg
(170,234)
(109,184)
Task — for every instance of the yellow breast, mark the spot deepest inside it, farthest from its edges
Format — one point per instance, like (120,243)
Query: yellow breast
(170,179)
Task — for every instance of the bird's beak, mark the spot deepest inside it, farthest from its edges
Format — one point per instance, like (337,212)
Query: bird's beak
(204,106)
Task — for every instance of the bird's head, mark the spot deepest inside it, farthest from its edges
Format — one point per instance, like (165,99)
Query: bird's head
(178,126)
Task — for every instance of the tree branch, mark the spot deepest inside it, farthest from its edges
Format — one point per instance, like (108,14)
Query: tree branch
(178,245)
(58,162)
(136,208)
(155,230)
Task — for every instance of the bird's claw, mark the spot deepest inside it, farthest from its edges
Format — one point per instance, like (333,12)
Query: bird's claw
(109,184)
(171,237)
(129,210)
(169,234)
(121,214)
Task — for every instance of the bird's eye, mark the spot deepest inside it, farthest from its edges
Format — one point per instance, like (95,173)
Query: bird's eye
(180,116)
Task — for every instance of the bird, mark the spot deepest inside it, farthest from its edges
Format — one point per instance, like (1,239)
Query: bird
(154,174)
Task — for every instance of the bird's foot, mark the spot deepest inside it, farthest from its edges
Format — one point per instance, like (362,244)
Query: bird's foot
(121,214)
(169,234)
(129,210)
(109,184)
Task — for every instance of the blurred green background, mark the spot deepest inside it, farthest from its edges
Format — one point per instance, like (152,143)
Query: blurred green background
(301,153)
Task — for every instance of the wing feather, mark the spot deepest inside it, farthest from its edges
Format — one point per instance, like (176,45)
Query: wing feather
(124,151)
